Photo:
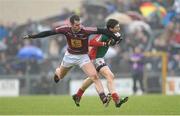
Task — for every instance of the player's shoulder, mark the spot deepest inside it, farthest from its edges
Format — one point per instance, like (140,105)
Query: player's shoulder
(63,27)
(89,28)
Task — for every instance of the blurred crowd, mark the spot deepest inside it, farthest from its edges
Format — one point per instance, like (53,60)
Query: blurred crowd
(149,25)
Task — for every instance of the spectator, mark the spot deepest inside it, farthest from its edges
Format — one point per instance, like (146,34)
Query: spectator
(137,64)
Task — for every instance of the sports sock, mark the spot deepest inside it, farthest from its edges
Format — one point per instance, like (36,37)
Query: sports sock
(103,97)
(115,97)
(80,92)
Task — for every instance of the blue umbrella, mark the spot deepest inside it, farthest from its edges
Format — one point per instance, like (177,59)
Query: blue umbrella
(169,16)
(30,52)
(3,32)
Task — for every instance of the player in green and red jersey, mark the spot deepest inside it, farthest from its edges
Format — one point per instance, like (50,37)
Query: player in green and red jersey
(100,45)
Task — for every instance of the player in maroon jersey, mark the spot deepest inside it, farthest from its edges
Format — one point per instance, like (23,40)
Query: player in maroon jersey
(77,51)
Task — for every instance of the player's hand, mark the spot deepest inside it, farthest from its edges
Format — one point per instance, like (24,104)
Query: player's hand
(119,41)
(26,37)
(119,36)
(110,42)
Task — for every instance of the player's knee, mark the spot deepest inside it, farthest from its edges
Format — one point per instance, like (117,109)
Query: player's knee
(94,76)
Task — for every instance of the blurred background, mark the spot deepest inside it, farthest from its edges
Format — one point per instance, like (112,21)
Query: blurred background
(149,53)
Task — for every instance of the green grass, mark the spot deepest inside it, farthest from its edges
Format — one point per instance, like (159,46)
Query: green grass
(63,105)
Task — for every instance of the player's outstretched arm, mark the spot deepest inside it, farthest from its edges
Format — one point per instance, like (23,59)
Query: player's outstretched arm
(41,34)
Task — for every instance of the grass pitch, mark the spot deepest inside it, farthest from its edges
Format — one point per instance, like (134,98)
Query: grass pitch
(64,105)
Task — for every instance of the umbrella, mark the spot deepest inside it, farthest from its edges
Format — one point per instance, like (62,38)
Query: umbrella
(139,25)
(3,32)
(148,8)
(97,3)
(30,52)
(170,15)
(121,17)
(160,10)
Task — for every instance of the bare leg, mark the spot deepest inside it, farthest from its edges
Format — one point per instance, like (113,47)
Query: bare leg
(77,97)
(106,72)
(90,71)
(86,83)
(60,73)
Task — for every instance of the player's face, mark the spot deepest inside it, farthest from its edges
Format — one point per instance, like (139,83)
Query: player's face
(76,26)
(116,28)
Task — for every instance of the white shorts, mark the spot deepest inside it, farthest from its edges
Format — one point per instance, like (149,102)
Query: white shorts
(99,63)
(70,60)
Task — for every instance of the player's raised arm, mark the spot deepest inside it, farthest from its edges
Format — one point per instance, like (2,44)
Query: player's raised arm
(58,30)
(41,34)
(95,30)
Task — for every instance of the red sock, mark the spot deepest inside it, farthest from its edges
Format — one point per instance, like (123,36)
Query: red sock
(80,92)
(115,97)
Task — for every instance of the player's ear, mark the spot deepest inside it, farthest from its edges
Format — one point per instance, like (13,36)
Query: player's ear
(110,29)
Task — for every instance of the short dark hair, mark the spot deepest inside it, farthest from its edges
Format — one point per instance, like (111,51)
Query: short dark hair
(74,18)
(111,23)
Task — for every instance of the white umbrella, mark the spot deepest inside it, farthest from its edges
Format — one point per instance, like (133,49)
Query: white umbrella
(139,25)
(121,17)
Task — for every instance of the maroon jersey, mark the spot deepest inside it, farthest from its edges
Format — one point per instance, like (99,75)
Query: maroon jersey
(77,41)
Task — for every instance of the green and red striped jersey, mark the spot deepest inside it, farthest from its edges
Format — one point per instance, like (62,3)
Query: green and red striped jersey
(98,46)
